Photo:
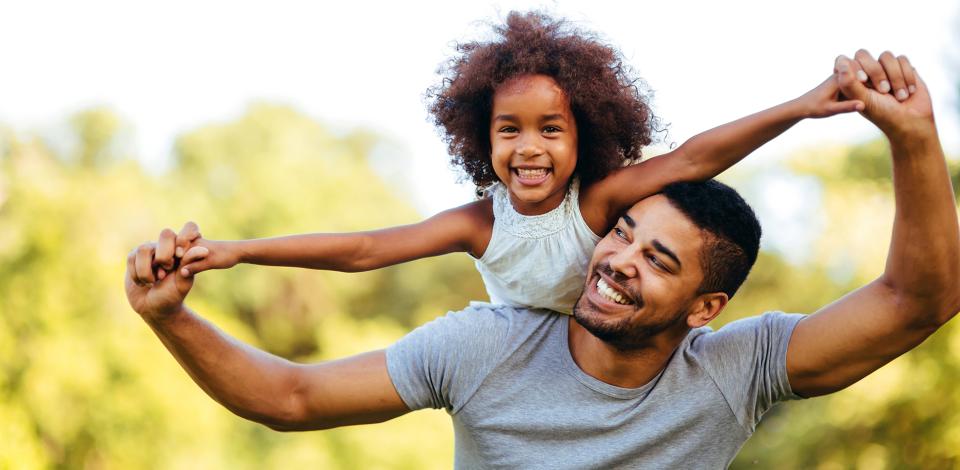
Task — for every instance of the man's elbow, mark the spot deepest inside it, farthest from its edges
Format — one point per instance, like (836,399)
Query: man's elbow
(293,421)
(946,302)
(287,426)
(297,425)
(930,308)
(951,304)
(288,411)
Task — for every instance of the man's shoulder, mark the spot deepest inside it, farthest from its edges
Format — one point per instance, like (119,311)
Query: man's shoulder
(743,332)
(483,322)
(443,362)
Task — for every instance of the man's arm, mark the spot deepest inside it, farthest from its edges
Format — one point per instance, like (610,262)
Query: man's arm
(919,289)
(250,382)
(707,154)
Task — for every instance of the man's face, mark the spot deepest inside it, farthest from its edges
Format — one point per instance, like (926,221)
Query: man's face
(643,277)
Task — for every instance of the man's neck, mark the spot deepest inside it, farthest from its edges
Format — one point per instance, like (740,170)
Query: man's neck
(627,369)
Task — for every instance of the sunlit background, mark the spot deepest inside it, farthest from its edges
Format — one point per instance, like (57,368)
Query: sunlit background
(256,119)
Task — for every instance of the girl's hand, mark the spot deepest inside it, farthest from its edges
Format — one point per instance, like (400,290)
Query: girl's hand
(211,254)
(220,255)
(826,100)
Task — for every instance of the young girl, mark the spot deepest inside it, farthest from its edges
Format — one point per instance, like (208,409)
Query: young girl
(544,119)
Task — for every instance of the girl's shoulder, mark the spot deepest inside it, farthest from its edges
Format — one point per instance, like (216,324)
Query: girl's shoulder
(594,206)
(479,212)
(476,220)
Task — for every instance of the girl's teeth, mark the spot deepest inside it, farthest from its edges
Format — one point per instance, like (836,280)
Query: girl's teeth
(531,173)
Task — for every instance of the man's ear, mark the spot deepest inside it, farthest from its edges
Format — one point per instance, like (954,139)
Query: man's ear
(705,308)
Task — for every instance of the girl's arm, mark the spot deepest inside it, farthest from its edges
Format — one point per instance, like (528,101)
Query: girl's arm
(465,228)
(707,154)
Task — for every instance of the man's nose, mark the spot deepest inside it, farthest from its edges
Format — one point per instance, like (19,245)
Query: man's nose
(625,261)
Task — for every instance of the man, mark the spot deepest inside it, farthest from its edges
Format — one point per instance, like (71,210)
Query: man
(633,379)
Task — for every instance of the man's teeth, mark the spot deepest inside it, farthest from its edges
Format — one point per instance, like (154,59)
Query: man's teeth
(531,172)
(604,289)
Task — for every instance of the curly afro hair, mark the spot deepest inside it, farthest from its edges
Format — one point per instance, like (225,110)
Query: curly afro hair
(608,102)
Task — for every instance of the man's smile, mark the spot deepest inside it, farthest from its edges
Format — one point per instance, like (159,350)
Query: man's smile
(605,292)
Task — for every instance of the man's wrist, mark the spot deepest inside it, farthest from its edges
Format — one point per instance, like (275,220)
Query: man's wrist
(167,316)
(914,138)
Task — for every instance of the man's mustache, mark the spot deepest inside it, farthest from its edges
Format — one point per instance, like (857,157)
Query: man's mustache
(621,282)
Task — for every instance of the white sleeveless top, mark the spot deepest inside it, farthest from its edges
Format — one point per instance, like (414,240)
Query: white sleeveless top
(540,260)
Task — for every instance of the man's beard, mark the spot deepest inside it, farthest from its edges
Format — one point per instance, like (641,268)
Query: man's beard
(622,334)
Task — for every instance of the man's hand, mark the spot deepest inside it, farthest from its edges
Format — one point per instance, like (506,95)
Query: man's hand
(899,103)
(155,289)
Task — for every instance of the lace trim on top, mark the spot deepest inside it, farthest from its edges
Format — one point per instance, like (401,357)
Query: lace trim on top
(532,226)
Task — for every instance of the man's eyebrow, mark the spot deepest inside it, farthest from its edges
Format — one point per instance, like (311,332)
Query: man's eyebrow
(663,249)
(629,221)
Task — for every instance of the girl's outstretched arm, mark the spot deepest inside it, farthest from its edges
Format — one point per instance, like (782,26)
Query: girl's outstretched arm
(466,229)
(707,154)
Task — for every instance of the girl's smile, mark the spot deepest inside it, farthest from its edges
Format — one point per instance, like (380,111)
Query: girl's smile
(533,142)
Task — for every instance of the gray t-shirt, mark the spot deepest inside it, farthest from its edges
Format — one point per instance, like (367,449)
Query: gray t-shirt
(518,400)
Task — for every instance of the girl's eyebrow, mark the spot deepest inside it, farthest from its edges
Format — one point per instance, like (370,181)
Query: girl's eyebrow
(545,117)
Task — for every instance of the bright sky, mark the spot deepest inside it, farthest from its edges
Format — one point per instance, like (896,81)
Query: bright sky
(168,67)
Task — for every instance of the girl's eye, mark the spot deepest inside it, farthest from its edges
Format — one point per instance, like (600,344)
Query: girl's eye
(508,129)
(551,129)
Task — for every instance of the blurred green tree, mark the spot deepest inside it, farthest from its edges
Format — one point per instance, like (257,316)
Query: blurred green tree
(83,382)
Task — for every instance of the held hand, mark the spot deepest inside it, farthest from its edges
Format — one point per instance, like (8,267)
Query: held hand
(218,254)
(906,110)
(150,296)
(825,100)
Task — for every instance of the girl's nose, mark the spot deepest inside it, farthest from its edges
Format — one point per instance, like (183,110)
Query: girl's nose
(529,147)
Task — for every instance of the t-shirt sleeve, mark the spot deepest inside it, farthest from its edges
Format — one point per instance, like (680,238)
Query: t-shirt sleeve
(442,363)
(747,359)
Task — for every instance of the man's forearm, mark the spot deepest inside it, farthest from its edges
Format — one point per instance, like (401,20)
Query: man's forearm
(924,259)
(249,382)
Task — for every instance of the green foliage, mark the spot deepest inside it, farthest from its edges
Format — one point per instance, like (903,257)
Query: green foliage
(95,129)
(84,383)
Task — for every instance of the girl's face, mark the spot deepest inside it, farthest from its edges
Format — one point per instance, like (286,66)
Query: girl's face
(533,142)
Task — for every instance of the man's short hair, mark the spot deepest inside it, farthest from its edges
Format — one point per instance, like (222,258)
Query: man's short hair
(731,229)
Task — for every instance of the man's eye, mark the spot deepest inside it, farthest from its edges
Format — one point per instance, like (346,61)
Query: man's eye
(656,262)
(619,233)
